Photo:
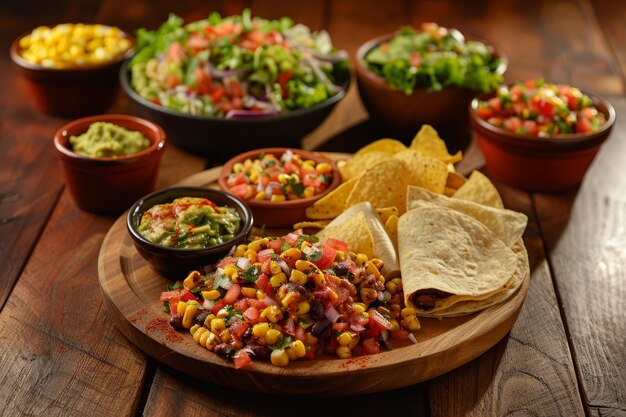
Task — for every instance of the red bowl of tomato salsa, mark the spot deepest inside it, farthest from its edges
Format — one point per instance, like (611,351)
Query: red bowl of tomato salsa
(278,184)
(525,146)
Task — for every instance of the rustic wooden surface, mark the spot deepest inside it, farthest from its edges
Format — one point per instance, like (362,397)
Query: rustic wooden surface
(60,354)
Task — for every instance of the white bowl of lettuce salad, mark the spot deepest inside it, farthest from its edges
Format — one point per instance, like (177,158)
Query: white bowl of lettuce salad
(236,67)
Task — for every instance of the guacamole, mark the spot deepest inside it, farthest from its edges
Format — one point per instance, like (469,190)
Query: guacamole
(106,140)
(189,223)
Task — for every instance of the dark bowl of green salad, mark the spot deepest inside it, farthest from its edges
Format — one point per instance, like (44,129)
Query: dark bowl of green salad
(223,85)
(429,76)
(177,230)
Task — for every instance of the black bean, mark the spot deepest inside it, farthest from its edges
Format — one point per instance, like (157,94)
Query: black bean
(260,352)
(319,326)
(200,318)
(317,309)
(341,269)
(225,349)
(176,321)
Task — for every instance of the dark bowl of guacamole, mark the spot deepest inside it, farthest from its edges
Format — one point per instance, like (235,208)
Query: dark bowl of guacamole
(177,230)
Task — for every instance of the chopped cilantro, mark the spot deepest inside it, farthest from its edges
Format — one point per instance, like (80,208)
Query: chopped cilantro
(285,246)
(174,286)
(222,281)
(297,187)
(262,155)
(282,343)
(251,274)
(316,256)
(166,306)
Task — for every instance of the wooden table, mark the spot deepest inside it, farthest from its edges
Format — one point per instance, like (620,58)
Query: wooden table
(60,355)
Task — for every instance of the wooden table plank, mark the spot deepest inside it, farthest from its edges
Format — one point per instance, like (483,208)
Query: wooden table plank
(611,16)
(587,245)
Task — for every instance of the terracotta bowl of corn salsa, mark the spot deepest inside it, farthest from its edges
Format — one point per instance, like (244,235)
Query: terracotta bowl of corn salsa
(181,229)
(538,135)
(279,183)
(72,69)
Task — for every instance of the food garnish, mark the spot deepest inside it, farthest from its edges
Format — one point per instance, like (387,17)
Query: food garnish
(236,66)
(539,108)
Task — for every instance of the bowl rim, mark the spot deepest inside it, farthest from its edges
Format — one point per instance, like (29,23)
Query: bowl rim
(280,205)
(138,209)
(26,64)
(158,139)
(501,135)
(125,83)
(367,46)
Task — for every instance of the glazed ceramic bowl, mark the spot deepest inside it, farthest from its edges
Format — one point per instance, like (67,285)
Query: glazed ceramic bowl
(402,114)
(279,213)
(74,91)
(218,138)
(110,185)
(176,263)
(539,164)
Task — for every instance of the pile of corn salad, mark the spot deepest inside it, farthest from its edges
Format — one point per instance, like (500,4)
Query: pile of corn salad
(290,298)
(287,177)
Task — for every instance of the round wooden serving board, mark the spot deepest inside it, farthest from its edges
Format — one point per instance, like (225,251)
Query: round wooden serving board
(131,292)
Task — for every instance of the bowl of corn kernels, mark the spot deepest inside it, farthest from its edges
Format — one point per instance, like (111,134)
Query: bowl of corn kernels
(72,69)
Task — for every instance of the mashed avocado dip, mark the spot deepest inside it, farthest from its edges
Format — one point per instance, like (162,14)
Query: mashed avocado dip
(106,140)
(189,223)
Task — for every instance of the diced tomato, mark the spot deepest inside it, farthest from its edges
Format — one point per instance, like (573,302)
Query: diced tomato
(337,244)
(203,81)
(341,327)
(265,254)
(218,93)
(251,315)
(400,334)
(512,123)
(377,319)
(241,304)
(583,125)
(543,106)
(484,112)
(173,303)
(495,104)
(342,294)
(283,77)
(328,256)
(415,59)
(276,245)
(274,37)
(530,126)
(371,346)
(218,306)
(186,296)
(237,103)
(589,113)
(291,168)
(312,179)
(243,191)
(300,333)
(155,101)
(197,42)
(258,304)
(238,328)
(263,283)
(171,81)
(291,239)
(224,28)
(168,295)
(240,178)
(227,261)
(311,353)
(175,52)
(241,359)
(232,294)
(235,89)
(288,327)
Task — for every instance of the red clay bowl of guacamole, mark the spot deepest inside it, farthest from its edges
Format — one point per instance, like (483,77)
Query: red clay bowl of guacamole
(109,160)
(177,230)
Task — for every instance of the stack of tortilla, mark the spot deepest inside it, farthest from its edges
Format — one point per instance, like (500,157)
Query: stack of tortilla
(458,256)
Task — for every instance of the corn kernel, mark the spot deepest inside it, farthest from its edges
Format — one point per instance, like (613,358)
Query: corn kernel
(248,292)
(282,178)
(211,295)
(344,352)
(279,358)
(323,168)
(203,338)
(250,255)
(181,307)
(412,323)
(289,298)
(368,295)
(260,295)
(217,326)
(261,195)
(344,339)
(291,353)
(238,167)
(225,336)
(229,271)
(394,325)
(222,314)
(298,347)
(190,313)
(291,255)
(271,337)
(303,308)
(259,244)
(298,277)
(278,197)
(378,263)
(254,175)
(354,342)
(359,307)
(194,328)
(209,319)
(308,192)
(274,267)
(408,312)
(361,259)
(278,279)
(310,339)
(340,256)
(273,314)
(260,329)
(240,251)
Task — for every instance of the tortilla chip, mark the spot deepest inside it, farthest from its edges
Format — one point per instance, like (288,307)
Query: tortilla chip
(354,231)
(383,145)
(479,189)
(424,171)
(383,185)
(391,225)
(319,224)
(332,204)
(455,180)
(449,192)
(385,212)
(428,142)
(354,167)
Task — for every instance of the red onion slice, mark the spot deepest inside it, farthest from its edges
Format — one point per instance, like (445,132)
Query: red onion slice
(331,313)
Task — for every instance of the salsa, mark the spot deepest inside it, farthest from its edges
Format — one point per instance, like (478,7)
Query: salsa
(542,109)
(291,298)
(189,223)
(286,177)
(434,58)
(107,140)
(236,66)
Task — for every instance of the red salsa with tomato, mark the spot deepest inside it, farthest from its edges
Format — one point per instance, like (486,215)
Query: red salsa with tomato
(291,298)
(541,109)
(279,178)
